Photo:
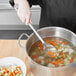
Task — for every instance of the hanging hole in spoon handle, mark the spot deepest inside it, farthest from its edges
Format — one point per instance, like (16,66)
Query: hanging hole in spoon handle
(37,34)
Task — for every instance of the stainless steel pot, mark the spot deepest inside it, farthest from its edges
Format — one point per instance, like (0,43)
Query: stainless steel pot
(39,70)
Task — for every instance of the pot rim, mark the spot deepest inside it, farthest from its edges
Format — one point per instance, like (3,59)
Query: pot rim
(43,65)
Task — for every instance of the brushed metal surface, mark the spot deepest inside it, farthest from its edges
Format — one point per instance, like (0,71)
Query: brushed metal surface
(9,19)
(13,34)
(4,1)
(39,70)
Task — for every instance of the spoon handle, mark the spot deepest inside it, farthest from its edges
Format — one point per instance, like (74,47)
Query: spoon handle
(37,33)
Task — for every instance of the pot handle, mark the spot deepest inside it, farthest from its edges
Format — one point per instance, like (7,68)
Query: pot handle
(20,39)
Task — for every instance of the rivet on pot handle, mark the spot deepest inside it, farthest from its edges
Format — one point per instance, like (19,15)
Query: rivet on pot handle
(20,39)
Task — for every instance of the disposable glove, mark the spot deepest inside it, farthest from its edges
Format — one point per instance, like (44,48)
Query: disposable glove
(23,11)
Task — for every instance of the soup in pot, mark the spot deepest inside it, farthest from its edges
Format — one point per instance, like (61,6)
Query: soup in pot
(64,54)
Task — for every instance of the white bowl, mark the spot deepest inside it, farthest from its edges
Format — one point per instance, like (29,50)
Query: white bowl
(13,60)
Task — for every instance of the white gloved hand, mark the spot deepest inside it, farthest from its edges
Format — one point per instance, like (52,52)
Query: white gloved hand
(23,12)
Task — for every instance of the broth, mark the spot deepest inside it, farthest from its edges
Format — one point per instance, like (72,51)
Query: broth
(64,54)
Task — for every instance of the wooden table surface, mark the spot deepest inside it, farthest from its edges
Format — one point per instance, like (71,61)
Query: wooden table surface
(10,48)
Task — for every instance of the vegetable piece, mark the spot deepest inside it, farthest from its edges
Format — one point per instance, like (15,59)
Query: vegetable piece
(48,41)
(62,65)
(2,74)
(41,46)
(58,41)
(57,65)
(56,62)
(53,55)
(61,62)
(49,52)
(62,53)
(3,68)
(12,74)
(65,43)
(6,70)
(71,60)
(59,47)
(35,56)
(53,43)
(50,61)
(58,57)
(19,72)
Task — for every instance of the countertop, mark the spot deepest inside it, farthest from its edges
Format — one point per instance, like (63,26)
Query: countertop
(10,48)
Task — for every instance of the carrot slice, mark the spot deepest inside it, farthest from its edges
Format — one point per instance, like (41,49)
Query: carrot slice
(71,60)
(58,48)
(2,74)
(48,41)
(35,56)
(61,62)
(53,43)
(65,43)
(19,72)
(50,61)
(3,68)
(38,61)
(62,54)
(56,62)
(12,74)
(62,65)
(18,67)
(49,52)
(6,70)
(53,55)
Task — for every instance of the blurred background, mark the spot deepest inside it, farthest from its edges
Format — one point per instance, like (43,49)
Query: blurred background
(10,24)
